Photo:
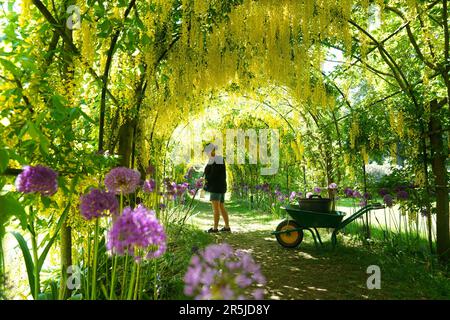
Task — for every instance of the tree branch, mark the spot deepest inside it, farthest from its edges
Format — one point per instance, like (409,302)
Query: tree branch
(106,74)
(411,37)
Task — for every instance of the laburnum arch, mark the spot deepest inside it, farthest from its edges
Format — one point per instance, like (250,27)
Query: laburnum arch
(251,43)
(147,65)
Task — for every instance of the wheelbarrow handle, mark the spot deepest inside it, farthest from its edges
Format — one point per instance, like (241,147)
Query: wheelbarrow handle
(377,206)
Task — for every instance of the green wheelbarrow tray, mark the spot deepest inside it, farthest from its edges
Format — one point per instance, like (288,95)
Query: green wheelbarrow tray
(312,219)
(289,232)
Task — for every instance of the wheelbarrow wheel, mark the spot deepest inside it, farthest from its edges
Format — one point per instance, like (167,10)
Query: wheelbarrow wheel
(289,239)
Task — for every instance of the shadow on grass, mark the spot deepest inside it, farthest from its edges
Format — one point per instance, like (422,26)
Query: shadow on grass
(307,272)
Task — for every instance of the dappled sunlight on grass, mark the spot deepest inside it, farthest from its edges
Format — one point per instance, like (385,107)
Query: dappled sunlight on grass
(308,271)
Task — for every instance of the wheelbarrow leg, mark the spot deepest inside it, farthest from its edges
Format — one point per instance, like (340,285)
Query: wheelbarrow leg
(318,236)
(334,238)
(314,237)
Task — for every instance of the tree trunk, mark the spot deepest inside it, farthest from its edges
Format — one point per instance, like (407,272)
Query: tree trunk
(66,259)
(126,138)
(438,158)
(66,231)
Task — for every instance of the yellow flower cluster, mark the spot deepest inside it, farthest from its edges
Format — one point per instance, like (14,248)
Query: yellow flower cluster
(354,132)
(25,15)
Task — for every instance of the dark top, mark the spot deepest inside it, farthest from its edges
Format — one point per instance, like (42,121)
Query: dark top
(216,175)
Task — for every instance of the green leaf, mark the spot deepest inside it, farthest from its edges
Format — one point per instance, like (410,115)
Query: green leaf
(4,159)
(39,137)
(77,296)
(55,235)
(27,257)
(10,206)
(10,67)
(46,201)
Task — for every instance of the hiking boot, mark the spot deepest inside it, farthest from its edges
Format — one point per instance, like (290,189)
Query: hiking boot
(212,230)
(225,229)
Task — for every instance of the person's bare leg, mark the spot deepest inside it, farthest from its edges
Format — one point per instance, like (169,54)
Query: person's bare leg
(224,214)
(216,210)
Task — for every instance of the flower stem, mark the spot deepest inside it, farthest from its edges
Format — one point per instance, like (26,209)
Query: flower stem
(34,245)
(130,287)
(94,271)
(136,287)
(124,278)
(155,286)
(113,279)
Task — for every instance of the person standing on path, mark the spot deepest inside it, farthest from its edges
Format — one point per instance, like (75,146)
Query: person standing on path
(216,185)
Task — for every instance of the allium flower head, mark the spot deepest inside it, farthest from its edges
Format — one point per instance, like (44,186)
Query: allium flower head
(122,180)
(402,195)
(348,192)
(98,203)
(189,173)
(332,186)
(149,186)
(292,196)
(317,190)
(219,272)
(199,183)
(356,194)
(388,200)
(137,229)
(181,188)
(383,191)
(37,179)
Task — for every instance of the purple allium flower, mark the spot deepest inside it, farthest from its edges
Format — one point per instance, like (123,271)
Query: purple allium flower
(400,188)
(367,196)
(219,272)
(332,186)
(402,195)
(137,229)
(292,196)
(122,180)
(356,194)
(309,195)
(383,191)
(181,189)
(333,189)
(189,173)
(363,203)
(98,203)
(388,200)
(348,192)
(39,179)
(149,186)
(199,183)
(317,190)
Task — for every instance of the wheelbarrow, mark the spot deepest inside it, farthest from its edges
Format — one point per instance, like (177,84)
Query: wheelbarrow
(289,232)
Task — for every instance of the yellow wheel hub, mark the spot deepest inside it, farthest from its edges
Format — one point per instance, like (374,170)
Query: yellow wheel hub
(288,237)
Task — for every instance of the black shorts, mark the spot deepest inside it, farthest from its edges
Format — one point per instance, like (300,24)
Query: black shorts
(217,197)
